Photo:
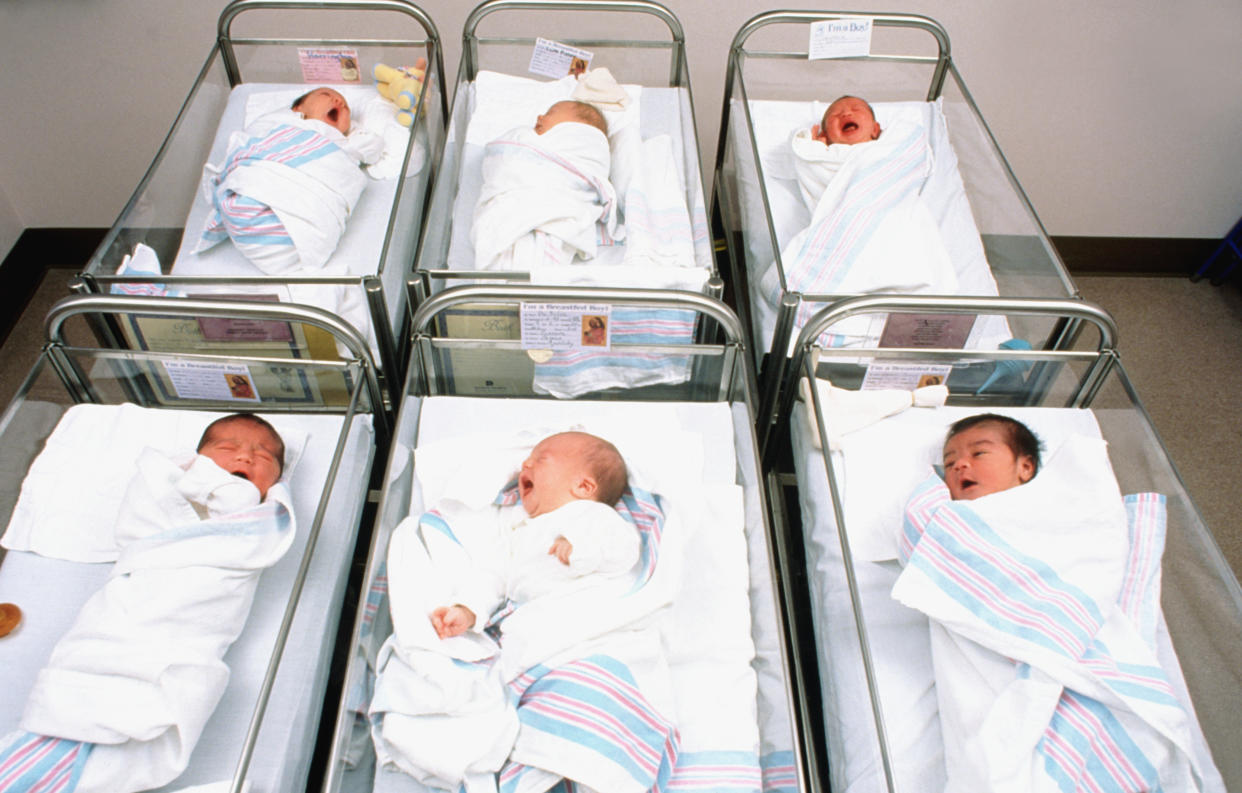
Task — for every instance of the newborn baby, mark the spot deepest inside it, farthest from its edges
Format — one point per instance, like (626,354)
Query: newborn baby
(822,150)
(545,189)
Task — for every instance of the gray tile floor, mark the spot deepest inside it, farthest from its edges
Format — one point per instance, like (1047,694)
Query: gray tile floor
(1179,343)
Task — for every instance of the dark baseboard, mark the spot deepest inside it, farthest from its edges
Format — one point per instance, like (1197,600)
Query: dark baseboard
(1176,256)
(36,252)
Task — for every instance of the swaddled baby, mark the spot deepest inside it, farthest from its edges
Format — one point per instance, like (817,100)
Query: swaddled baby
(128,689)
(290,181)
(544,190)
(820,151)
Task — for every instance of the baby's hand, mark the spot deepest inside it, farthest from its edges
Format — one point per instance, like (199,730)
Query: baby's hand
(561,549)
(450,621)
(818,134)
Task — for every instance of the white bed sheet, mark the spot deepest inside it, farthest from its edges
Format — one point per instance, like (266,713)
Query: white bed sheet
(898,636)
(694,646)
(944,193)
(499,102)
(361,245)
(51,592)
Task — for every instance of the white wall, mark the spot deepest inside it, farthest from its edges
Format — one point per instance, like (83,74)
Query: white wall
(1119,118)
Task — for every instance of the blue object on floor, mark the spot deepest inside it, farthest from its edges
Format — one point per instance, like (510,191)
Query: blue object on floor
(1231,243)
(1005,369)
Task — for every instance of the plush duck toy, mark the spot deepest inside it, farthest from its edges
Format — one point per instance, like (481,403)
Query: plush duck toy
(401,86)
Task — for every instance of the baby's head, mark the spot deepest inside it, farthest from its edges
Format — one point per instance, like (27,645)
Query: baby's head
(246,446)
(988,453)
(324,104)
(570,466)
(571,110)
(848,120)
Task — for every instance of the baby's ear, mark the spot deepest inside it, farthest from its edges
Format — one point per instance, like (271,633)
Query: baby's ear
(585,488)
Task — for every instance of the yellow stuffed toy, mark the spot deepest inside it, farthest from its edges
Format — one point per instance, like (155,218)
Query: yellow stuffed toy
(401,86)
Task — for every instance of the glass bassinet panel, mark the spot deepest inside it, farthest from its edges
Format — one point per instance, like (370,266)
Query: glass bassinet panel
(637,48)
(262,55)
(771,66)
(1200,595)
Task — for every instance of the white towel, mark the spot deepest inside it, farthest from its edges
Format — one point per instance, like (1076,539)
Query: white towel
(846,411)
(601,89)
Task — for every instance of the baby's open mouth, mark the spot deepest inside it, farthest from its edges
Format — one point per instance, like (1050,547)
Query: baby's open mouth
(240,474)
(849,126)
(333,113)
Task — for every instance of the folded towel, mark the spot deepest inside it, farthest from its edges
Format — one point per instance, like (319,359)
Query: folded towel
(846,411)
(601,89)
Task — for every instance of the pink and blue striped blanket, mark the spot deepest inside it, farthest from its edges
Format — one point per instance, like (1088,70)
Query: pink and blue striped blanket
(1044,640)
(283,195)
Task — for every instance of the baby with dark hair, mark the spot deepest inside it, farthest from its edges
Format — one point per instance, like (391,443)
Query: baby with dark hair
(988,453)
(247,447)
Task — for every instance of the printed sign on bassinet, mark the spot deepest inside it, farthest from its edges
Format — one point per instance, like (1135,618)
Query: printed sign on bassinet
(329,65)
(553,59)
(839,38)
(225,382)
(559,326)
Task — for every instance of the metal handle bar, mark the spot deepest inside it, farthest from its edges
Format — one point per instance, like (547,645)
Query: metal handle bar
(664,298)
(916,21)
(233,9)
(782,385)
(340,330)
(635,6)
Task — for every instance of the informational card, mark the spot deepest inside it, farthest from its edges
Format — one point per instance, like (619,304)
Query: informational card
(553,59)
(329,65)
(839,38)
(561,326)
(231,329)
(927,330)
(221,381)
(904,376)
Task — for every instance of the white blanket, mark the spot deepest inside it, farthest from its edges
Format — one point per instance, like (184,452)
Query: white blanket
(869,230)
(1042,678)
(141,670)
(541,198)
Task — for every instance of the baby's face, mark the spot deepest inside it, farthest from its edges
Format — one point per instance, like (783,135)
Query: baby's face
(558,113)
(550,475)
(849,120)
(978,461)
(328,106)
(245,450)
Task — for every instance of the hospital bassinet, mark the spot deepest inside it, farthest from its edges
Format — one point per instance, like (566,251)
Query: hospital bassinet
(642,44)
(990,232)
(452,395)
(284,49)
(877,685)
(86,413)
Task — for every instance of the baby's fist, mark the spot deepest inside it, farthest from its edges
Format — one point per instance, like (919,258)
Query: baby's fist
(561,549)
(450,621)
